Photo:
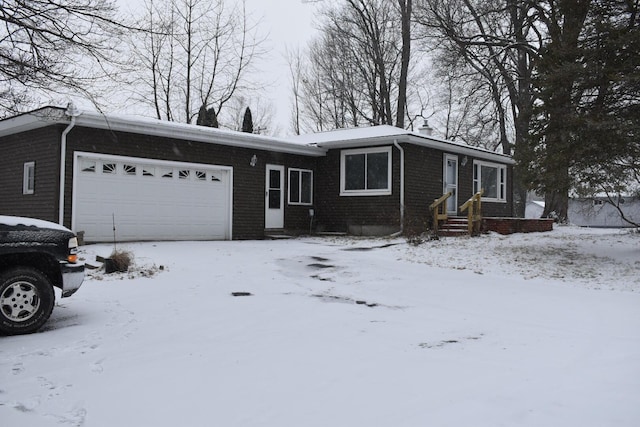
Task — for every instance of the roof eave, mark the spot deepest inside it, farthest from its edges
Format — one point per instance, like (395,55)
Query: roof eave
(461,149)
(424,141)
(53,115)
(196,133)
(36,119)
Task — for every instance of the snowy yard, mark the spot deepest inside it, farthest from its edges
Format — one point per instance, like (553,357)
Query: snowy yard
(522,330)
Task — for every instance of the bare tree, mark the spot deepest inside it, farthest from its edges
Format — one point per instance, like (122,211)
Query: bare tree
(51,47)
(491,42)
(197,54)
(487,50)
(358,67)
(296,69)
(405,8)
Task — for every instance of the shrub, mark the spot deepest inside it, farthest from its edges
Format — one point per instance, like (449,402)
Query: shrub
(119,261)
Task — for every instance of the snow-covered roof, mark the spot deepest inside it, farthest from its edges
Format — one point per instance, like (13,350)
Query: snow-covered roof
(343,135)
(314,144)
(147,126)
(385,134)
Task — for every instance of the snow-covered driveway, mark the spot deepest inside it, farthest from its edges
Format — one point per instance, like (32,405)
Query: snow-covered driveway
(524,330)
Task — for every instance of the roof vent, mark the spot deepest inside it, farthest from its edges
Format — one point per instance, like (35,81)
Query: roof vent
(425,129)
(72,110)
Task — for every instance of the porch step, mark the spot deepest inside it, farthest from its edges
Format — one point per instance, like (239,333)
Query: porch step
(277,234)
(454,226)
(330,233)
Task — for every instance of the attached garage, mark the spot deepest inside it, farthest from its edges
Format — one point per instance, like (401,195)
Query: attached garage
(148,199)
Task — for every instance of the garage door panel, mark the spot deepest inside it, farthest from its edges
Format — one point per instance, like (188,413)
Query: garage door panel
(151,202)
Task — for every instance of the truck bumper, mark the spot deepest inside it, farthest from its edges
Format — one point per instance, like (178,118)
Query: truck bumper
(72,278)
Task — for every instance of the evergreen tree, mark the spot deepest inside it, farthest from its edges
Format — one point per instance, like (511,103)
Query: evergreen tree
(247,122)
(207,117)
(584,135)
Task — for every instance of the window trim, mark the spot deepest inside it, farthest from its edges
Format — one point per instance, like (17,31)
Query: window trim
(301,171)
(29,179)
(366,192)
(501,187)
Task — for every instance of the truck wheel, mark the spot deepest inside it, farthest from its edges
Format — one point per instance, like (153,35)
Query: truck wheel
(26,301)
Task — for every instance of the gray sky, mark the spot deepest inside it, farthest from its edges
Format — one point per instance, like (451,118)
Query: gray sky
(287,23)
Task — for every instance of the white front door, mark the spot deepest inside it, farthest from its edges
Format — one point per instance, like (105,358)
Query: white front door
(450,180)
(274,197)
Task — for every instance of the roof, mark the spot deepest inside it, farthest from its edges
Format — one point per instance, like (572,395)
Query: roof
(382,134)
(314,144)
(47,116)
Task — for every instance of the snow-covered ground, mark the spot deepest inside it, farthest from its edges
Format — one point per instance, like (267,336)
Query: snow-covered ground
(522,330)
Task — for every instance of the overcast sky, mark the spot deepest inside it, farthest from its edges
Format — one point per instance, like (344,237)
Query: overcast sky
(287,23)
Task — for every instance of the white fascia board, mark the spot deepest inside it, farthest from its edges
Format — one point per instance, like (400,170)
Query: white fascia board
(52,115)
(195,133)
(466,150)
(442,145)
(32,120)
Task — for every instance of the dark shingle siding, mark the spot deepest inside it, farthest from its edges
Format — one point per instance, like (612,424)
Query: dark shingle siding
(423,179)
(248,181)
(337,213)
(42,147)
(423,185)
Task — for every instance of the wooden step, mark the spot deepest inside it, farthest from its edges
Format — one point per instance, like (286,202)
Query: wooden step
(454,227)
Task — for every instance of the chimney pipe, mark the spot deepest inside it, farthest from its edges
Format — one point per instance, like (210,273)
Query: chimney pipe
(425,129)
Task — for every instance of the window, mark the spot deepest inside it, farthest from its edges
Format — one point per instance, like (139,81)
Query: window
(365,172)
(129,169)
(300,187)
(88,166)
(29,178)
(184,173)
(492,178)
(109,168)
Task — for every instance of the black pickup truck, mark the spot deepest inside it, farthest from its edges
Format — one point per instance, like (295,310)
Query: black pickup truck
(35,256)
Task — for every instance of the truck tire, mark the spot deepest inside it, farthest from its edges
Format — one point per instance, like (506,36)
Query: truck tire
(26,300)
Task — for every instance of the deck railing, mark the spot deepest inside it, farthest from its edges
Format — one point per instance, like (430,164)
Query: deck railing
(439,211)
(473,206)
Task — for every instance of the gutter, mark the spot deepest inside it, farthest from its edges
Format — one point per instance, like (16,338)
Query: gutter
(395,143)
(423,141)
(72,112)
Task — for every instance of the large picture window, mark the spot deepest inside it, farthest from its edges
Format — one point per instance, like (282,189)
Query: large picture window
(365,172)
(300,187)
(29,178)
(492,178)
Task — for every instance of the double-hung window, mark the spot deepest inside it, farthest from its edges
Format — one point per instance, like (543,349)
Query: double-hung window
(300,187)
(491,177)
(29,178)
(365,172)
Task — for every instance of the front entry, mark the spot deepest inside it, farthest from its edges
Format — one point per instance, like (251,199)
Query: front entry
(450,180)
(274,197)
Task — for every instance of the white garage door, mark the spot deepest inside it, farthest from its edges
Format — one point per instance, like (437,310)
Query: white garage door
(150,200)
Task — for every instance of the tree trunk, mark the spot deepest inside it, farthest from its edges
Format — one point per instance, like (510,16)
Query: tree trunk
(405,15)
(524,101)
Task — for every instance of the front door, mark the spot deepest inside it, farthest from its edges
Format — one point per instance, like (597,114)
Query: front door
(450,181)
(274,197)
